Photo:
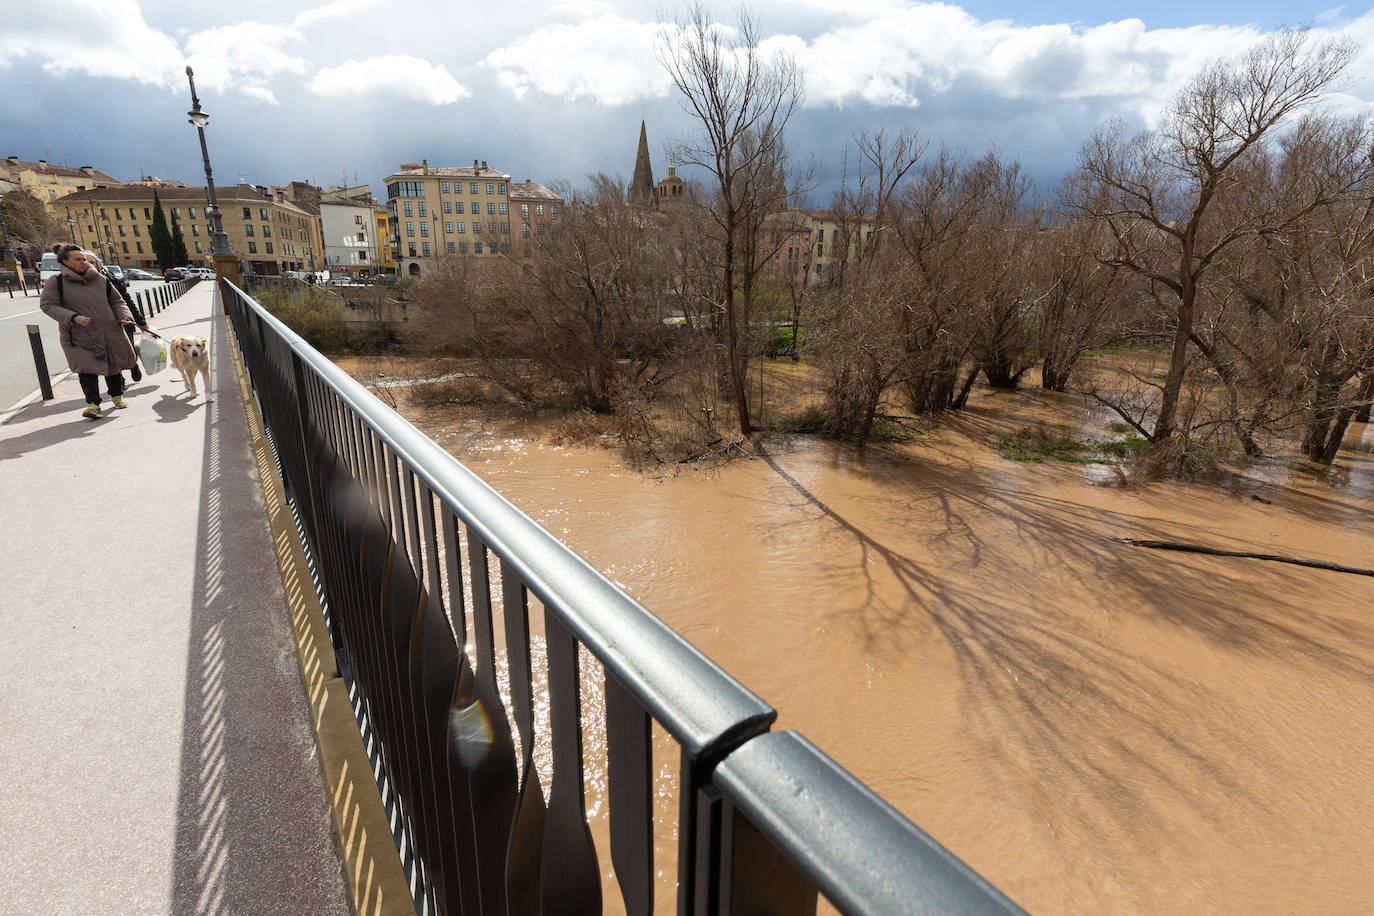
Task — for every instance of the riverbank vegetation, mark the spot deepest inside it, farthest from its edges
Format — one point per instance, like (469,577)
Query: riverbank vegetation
(1225,255)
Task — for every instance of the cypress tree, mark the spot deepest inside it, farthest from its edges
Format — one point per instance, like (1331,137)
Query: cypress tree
(160,235)
(179,256)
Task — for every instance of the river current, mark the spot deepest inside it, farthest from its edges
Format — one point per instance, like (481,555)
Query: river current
(1093,727)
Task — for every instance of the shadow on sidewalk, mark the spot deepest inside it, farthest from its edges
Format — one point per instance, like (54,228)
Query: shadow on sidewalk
(170,408)
(253,832)
(78,427)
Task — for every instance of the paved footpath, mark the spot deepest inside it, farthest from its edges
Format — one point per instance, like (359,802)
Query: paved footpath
(156,754)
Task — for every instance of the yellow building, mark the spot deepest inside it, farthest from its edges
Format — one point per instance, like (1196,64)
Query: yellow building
(49,182)
(436,212)
(269,235)
(384,233)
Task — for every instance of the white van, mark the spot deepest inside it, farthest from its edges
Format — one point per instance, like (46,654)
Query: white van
(48,268)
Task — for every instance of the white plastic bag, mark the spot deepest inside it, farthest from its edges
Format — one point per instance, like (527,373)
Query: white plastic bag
(152,353)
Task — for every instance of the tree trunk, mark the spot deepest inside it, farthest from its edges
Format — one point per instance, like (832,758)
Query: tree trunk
(736,364)
(1337,435)
(1178,358)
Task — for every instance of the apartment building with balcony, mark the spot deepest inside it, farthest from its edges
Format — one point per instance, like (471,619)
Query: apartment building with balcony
(447,211)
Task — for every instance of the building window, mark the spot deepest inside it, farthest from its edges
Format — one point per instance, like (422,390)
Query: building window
(462,247)
(448,206)
(538,209)
(450,248)
(140,247)
(117,216)
(539,229)
(501,208)
(176,213)
(125,246)
(247,214)
(424,230)
(252,247)
(474,187)
(267,232)
(443,186)
(191,212)
(491,209)
(262,211)
(410,210)
(269,247)
(139,235)
(505,228)
(410,229)
(422,209)
(462,227)
(525,230)
(448,225)
(248,229)
(491,228)
(195,229)
(425,247)
(491,188)
(820,250)
(477,247)
(505,248)
(524,211)
(412,249)
(121,231)
(102,212)
(148,214)
(553,211)
(458,208)
(500,187)
(405,189)
(476,227)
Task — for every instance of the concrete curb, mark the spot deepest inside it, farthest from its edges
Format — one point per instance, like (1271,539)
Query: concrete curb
(373,876)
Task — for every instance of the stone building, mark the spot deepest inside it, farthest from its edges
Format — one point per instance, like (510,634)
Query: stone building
(269,235)
(536,210)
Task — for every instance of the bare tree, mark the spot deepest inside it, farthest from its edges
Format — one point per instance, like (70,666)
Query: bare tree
(742,103)
(1156,191)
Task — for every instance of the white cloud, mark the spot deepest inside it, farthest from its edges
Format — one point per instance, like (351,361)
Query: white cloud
(249,56)
(398,75)
(92,37)
(606,58)
(331,10)
(897,53)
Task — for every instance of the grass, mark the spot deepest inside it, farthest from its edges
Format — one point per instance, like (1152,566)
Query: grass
(1035,444)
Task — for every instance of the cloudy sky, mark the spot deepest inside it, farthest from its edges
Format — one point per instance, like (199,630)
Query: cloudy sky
(304,89)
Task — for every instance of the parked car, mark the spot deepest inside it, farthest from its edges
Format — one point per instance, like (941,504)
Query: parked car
(48,268)
(134,273)
(114,270)
(174,273)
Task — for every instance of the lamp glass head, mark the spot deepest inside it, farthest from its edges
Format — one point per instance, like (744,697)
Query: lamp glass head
(198,118)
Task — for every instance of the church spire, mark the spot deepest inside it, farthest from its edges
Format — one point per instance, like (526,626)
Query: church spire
(642,192)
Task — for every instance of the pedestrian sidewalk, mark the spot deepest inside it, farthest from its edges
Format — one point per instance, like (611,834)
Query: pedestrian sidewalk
(157,754)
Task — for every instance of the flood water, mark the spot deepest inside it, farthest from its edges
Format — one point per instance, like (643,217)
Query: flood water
(1091,726)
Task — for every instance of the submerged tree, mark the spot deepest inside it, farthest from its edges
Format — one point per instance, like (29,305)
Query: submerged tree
(742,102)
(1157,191)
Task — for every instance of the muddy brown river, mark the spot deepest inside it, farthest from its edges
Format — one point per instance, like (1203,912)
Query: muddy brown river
(1091,726)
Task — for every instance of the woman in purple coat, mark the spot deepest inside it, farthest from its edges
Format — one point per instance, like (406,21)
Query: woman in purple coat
(91,315)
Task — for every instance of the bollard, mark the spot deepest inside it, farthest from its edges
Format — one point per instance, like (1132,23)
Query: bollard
(40,362)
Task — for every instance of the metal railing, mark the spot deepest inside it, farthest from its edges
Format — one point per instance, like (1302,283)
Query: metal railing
(389,517)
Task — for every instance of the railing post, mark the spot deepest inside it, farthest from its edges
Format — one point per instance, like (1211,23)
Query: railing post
(40,362)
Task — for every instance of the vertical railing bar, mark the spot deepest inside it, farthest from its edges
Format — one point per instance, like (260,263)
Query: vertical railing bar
(413,524)
(629,766)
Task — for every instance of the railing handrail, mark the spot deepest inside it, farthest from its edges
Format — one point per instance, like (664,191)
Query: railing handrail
(704,708)
(861,853)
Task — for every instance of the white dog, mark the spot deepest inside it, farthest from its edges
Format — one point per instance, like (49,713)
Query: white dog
(189,356)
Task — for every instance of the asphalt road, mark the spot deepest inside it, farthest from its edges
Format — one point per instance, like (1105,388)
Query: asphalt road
(17,374)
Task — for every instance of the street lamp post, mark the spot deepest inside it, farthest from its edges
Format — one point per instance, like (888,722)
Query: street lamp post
(221,252)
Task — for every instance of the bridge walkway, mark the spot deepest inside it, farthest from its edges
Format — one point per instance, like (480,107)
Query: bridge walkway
(156,753)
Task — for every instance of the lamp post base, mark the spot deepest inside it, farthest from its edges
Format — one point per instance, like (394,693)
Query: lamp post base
(227,267)
(18,270)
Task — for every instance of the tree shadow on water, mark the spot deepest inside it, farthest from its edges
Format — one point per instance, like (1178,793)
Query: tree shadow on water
(1117,739)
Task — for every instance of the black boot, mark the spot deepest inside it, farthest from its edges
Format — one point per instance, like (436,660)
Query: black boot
(137,373)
